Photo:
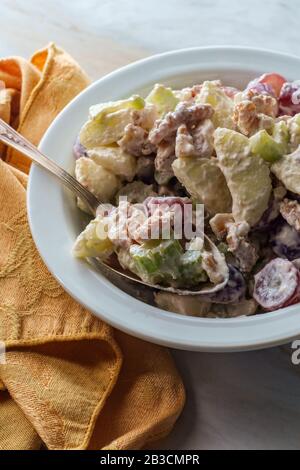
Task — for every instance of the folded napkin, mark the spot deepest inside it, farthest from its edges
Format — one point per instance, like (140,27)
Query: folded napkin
(70,381)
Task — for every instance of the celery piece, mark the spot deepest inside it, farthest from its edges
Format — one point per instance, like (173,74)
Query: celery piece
(157,261)
(191,269)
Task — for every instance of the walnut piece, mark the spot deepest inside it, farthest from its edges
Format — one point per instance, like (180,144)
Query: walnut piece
(265,104)
(290,211)
(135,141)
(163,162)
(224,226)
(249,120)
(184,143)
(184,113)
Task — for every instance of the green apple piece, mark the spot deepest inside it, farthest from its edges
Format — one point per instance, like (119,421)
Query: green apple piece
(294,128)
(157,261)
(108,121)
(263,145)
(205,182)
(248,178)
(114,159)
(101,182)
(163,98)
(287,170)
(211,93)
(88,244)
(101,110)
(281,135)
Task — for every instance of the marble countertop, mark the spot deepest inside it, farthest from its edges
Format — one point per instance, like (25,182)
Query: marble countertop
(236,401)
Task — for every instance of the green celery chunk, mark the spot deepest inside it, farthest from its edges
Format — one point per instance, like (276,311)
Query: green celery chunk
(157,261)
(191,269)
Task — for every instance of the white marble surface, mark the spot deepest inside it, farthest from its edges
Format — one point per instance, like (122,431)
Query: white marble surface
(240,401)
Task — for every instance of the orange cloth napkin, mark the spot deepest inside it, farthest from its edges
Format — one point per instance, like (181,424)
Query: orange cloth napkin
(70,380)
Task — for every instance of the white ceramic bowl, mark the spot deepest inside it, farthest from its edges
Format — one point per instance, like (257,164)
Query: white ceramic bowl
(55,221)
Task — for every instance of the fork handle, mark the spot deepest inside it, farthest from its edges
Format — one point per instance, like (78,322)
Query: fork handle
(13,139)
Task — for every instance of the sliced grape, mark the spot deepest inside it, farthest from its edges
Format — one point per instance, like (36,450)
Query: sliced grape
(289,99)
(233,292)
(274,80)
(260,88)
(295,299)
(267,84)
(285,242)
(276,285)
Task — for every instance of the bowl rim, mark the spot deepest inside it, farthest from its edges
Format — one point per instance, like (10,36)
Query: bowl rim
(140,319)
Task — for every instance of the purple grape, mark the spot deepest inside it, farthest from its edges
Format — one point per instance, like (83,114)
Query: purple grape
(260,88)
(277,285)
(268,83)
(289,99)
(233,292)
(79,150)
(285,242)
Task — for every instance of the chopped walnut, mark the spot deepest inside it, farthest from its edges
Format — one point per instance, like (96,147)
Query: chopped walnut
(211,266)
(224,226)
(196,142)
(248,120)
(188,93)
(241,247)
(219,224)
(265,104)
(135,141)
(163,162)
(184,143)
(290,211)
(236,231)
(203,138)
(185,113)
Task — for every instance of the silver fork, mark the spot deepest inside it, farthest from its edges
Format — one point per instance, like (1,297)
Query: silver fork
(13,139)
